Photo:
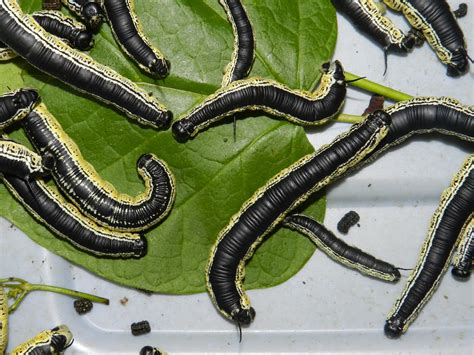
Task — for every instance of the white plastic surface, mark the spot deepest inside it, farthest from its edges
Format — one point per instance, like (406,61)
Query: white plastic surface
(325,307)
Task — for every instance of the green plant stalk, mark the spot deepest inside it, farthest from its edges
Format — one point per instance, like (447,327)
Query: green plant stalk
(368,85)
(22,287)
(345,118)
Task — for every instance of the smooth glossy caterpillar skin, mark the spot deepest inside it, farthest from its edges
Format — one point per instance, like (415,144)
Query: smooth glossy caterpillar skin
(49,54)
(15,105)
(17,160)
(89,10)
(48,342)
(3,320)
(129,35)
(462,261)
(367,16)
(456,206)
(93,195)
(237,242)
(300,107)
(436,21)
(65,220)
(340,251)
(244,42)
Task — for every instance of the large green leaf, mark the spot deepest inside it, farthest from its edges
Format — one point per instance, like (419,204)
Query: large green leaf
(214,174)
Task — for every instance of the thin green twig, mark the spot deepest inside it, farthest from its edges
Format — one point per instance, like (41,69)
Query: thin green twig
(376,88)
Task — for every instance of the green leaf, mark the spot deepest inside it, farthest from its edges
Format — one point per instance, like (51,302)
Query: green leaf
(214,174)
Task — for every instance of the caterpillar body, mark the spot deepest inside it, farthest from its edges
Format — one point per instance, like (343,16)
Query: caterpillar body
(49,54)
(462,261)
(88,10)
(369,19)
(270,205)
(436,21)
(93,196)
(15,105)
(3,320)
(244,42)
(129,35)
(446,225)
(339,251)
(300,107)
(65,220)
(48,342)
(17,160)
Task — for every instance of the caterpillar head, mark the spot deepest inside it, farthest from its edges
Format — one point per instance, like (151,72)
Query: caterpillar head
(140,247)
(163,119)
(408,42)
(26,98)
(159,68)
(461,273)
(393,327)
(243,316)
(182,130)
(380,118)
(83,40)
(93,15)
(61,339)
(459,63)
(149,350)
(334,70)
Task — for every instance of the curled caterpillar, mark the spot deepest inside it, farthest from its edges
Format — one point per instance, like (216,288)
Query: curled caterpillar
(93,196)
(17,160)
(64,219)
(90,11)
(129,35)
(49,54)
(339,251)
(462,260)
(15,105)
(440,29)
(3,320)
(244,42)
(369,19)
(300,107)
(270,205)
(48,342)
(446,226)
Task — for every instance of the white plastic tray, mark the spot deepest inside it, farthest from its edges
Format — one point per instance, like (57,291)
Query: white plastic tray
(325,307)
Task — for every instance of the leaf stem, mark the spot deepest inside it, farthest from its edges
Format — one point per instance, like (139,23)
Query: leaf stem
(371,86)
(19,288)
(343,117)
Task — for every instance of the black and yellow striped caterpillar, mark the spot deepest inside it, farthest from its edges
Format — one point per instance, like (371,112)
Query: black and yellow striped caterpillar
(300,107)
(129,34)
(53,341)
(462,260)
(438,25)
(49,54)
(15,105)
(367,16)
(339,251)
(270,205)
(456,207)
(3,320)
(93,196)
(244,42)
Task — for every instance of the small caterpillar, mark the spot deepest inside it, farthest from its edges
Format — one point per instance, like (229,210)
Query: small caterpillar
(49,54)
(16,105)
(270,205)
(462,261)
(17,160)
(339,251)
(48,342)
(88,10)
(366,16)
(89,192)
(65,220)
(446,225)
(244,42)
(300,107)
(3,320)
(440,29)
(129,35)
